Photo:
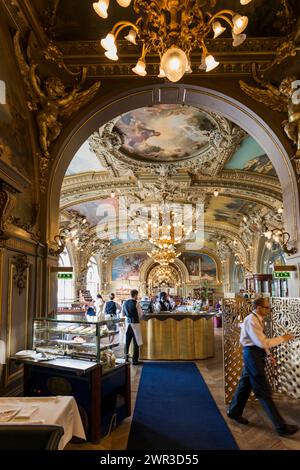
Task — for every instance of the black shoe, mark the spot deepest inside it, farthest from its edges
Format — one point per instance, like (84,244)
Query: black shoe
(288,430)
(137,363)
(238,419)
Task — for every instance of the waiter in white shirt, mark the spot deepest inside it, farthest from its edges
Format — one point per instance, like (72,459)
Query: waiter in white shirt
(255,350)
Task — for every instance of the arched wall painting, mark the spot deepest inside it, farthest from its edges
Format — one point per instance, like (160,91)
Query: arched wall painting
(200,266)
(127,267)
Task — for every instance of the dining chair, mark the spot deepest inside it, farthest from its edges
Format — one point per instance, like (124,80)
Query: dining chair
(30,437)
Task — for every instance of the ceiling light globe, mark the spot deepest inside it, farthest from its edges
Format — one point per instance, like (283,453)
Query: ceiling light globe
(238,39)
(111,54)
(108,43)
(174,63)
(218,29)
(210,63)
(239,24)
(140,69)
(101,7)
(245,2)
(131,37)
(126,3)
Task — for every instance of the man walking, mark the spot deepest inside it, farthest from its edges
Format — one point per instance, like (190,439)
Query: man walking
(255,349)
(133,312)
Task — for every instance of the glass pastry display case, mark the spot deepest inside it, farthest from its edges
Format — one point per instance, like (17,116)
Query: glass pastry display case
(97,341)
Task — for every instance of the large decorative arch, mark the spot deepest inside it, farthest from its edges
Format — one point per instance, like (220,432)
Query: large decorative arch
(149,264)
(105,109)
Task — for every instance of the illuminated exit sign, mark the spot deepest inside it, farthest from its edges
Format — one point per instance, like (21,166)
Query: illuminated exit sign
(64,275)
(282,275)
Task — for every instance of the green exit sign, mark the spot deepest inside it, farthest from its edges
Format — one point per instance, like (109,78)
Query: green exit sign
(281,275)
(65,276)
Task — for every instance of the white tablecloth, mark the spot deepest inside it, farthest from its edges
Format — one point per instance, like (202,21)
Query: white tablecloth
(62,411)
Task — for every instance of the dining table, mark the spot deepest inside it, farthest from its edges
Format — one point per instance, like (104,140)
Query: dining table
(57,410)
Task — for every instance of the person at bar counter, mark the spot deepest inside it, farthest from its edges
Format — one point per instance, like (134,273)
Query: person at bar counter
(111,308)
(256,347)
(132,310)
(162,304)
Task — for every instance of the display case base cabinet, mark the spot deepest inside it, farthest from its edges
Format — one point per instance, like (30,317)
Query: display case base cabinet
(103,398)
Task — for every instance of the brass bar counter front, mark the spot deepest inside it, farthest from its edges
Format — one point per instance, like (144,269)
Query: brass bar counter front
(177,336)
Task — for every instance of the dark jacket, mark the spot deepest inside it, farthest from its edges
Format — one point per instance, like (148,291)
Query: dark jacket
(111,308)
(130,311)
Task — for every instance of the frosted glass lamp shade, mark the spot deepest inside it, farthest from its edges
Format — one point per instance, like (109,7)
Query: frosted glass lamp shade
(239,24)
(174,63)
(101,8)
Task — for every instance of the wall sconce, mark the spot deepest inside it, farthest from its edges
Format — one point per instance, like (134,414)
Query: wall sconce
(280,237)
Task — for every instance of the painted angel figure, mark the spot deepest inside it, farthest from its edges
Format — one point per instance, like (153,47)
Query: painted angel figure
(279,99)
(51,99)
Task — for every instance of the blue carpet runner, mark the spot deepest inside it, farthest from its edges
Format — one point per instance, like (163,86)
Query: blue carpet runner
(175,411)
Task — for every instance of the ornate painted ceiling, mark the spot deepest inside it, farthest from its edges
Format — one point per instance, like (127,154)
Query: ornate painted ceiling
(178,154)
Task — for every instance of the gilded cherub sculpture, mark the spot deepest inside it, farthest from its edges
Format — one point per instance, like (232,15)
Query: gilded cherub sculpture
(279,98)
(52,101)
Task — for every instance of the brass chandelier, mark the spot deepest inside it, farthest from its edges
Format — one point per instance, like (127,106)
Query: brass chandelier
(165,231)
(164,256)
(172,29)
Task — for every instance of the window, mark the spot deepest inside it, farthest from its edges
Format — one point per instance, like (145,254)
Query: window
(65,287)
(92,278)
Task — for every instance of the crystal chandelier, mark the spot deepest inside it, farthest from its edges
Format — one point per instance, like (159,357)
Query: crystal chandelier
(172,29)
(166,229)
(164,256)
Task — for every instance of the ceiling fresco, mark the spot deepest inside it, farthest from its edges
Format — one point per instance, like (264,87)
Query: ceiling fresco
(228,209)
(99,211)
(84,161)
(165,132)
(251,157)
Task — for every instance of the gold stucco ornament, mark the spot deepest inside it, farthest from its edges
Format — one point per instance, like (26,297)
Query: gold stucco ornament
(52,102)
(282,98)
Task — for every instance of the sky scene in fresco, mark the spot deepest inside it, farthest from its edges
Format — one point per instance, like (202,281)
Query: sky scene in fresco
(84,161)
(251,157)
(97,211)
(228,209)
(200,265)
(128,267)
(164,132)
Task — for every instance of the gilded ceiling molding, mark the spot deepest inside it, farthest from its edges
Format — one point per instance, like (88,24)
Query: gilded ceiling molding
(233,63)
(51,102)
(85,187)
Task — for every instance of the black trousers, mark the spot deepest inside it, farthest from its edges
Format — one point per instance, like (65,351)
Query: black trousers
(254,378)
(129,337)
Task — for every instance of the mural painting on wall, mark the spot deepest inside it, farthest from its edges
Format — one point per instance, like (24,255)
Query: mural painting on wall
(251,157)
(200,266)
(165,132)
(128,267)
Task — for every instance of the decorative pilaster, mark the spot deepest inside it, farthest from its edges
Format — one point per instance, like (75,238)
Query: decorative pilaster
(20,277)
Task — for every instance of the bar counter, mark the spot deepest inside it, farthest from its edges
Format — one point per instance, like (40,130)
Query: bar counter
(178,336)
